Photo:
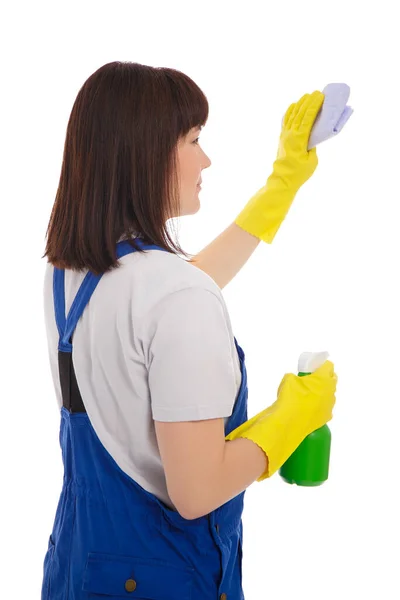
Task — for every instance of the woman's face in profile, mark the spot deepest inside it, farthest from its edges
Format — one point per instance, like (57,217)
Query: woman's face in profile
(192,160)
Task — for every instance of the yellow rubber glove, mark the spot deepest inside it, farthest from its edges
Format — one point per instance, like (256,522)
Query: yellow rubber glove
(263,214)
(303,405)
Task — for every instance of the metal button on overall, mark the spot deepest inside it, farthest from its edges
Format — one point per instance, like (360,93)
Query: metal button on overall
(130,585)
(223,597)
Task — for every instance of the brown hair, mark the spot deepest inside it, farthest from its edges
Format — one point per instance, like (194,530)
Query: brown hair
(119,168)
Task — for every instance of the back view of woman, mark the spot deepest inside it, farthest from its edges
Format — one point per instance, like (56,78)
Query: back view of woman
(150,380)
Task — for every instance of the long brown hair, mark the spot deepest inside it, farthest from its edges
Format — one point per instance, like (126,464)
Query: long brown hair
(119,168)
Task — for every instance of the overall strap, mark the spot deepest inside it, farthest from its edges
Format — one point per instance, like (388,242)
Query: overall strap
(71,396)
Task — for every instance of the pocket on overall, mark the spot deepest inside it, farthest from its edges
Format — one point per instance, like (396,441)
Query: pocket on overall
(47,564)
(140,578)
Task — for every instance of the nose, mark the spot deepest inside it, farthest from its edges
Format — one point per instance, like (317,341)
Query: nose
(206,165)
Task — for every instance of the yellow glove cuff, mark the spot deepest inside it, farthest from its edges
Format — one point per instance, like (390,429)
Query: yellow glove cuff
(276,438)
(263,214)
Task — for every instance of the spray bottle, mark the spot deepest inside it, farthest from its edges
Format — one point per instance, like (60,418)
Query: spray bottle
(309,463)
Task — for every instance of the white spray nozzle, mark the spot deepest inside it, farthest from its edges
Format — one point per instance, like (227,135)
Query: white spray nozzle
(310,361)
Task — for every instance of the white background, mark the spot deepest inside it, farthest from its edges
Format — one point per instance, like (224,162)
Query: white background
(328,282)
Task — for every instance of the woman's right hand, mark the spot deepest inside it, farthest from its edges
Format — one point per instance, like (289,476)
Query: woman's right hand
(267,208)
(294,161)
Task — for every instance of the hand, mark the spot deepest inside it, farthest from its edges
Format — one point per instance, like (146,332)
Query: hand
(312,395)
(303,405)
(294,162)
(265,211)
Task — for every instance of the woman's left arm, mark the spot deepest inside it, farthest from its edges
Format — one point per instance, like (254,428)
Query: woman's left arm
(223,258)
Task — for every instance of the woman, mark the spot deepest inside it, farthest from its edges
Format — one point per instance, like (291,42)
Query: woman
(150,381)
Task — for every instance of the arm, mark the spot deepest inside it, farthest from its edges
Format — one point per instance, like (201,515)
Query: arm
(263,214)
(203,476)
(223,258)
(192,388)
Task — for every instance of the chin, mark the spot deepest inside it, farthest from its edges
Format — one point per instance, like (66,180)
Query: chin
(192,210)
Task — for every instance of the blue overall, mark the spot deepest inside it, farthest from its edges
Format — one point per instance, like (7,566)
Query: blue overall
(113,539)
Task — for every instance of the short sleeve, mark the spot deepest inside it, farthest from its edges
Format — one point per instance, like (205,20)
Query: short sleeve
(190,362)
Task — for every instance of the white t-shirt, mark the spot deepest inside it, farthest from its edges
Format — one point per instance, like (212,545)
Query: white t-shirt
(154,342)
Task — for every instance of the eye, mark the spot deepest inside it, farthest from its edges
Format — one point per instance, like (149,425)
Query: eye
(196,141)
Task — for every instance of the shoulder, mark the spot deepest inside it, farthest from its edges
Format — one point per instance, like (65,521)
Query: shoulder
(145,281)
(163,275)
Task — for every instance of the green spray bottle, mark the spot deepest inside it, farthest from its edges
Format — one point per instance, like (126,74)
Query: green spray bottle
(309,463)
